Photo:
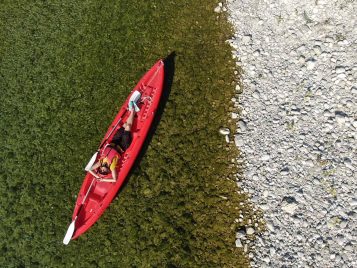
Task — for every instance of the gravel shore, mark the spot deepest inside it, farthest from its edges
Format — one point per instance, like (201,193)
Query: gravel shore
(297,127)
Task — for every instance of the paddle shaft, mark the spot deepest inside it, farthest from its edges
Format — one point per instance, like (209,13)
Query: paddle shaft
(110,133)
(85,197)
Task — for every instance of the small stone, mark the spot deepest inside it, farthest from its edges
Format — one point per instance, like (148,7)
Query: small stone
(348,163)
(255,177)
(342,42)
(241,234)
(317,50)
(272,251)
(256,95)
(353,202)
(318,257)
(343,224)
(349,247)
(310,64)
(284,171)
(242,125)
(256,53)
(331,223)
(250,231)
(238,140)
(341,240)
(327,113)
(341,76)
(301,48)
(224,131)
(247,38)
(239,243)
(340,117)
(270,227)
(265,157)
(301,59)
(340,69)
(289,204)
(329,40)
(245,248)
(289,208)
(265,207)
(266,259)
(218,9)
(238,89)
(293,53)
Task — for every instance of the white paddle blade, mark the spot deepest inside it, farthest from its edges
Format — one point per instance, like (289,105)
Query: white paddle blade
(135,96)
(69,233)
(91,162)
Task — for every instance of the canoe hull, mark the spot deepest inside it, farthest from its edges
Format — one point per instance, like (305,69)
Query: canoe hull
(101,194)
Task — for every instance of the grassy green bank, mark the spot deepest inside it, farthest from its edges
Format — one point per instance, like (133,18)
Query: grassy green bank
(65,69)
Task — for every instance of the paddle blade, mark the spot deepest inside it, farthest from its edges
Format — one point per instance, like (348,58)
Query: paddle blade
(69,233)
(135,96)
(91,162)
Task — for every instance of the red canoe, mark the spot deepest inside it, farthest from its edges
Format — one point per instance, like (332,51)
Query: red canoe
(101,194)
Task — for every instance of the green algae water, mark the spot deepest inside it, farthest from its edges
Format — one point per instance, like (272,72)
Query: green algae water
(65,69)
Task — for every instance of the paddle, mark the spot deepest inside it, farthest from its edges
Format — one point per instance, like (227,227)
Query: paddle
(71,227)
(91,161)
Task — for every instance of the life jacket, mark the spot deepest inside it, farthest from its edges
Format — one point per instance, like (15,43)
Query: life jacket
(108,155)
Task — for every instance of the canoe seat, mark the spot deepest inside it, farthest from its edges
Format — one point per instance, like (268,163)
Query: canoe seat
(100,190)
